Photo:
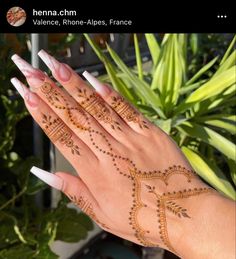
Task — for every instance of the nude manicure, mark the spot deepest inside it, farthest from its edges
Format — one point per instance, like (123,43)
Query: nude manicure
(34,76)
(101,88)
(31,98)
(49,178)
(58,69)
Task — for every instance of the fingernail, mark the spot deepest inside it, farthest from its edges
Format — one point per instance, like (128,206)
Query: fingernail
(49,178)
(101,88)
(31,98)
(20,87)
(59,70)
(34,76)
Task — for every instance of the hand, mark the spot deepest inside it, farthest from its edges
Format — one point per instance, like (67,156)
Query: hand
(133,180)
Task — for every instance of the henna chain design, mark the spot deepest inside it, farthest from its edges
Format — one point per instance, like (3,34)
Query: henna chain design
(87,208)
(164,201)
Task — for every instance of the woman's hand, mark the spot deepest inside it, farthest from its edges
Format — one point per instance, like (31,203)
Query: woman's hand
(132,179)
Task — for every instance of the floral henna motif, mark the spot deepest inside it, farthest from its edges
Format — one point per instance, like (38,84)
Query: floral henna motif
(94,105)
(56,130)
(87,208)
(127,112)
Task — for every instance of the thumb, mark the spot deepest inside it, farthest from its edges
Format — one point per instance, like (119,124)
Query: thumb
(74,188)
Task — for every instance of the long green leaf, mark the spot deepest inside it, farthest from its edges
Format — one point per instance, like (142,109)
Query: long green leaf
(201,71)
(229,62)
(210,137)
(154,47)
(138,57)
(211,88)
(141,87)
(214,86)
(116,82)
(231,46)
(213,176)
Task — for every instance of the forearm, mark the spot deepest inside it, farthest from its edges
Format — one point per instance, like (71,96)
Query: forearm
(211,231)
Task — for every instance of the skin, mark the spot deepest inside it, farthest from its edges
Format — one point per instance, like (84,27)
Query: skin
(133,180)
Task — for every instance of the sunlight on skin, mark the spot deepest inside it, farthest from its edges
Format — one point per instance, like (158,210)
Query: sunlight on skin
(133,180)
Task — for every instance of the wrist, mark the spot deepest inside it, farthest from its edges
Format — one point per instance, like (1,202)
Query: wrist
(202,237)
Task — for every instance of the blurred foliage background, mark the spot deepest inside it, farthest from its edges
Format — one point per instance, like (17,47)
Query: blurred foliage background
(187,87)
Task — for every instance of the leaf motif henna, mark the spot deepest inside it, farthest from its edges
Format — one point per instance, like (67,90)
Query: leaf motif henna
(176,209)
(56,130)
(165,202)
(127,112)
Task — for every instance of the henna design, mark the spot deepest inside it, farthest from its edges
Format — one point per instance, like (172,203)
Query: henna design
(176,209)
(87,208)
(94,105)
(165,202)
(127,112)
(56,130)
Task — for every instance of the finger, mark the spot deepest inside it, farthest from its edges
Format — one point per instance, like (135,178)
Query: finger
(70,112)
(75,189)
(73,148)
(86,96)
(125,110)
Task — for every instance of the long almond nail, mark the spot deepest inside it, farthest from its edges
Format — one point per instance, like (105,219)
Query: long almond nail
(49,178)
(101,88)
(34,76)
(59,70)
(31,98)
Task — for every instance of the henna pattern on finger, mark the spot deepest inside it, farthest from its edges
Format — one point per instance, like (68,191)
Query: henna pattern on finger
(127,112)
(57,130)
(87,208)
(166,203)
(94,105)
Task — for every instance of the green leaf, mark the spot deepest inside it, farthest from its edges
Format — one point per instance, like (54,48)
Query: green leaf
(153,47)
(202,71)
(231,46)
(214,86)
(45,252)
(17,252)
(117,83)
(229,62)
(194,43)
(213,176)
(210,137)
(211,88)
(138,57)
(223,123)
(232,168)
(141,87)
(73,226)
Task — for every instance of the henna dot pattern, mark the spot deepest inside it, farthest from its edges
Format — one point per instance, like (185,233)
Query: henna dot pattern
(166,202)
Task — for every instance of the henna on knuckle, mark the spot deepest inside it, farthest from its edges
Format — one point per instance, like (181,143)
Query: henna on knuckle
(56,130)
(127,112)
(95,105)
(87,208)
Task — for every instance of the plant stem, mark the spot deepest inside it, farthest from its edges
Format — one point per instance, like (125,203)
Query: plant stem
(13,198)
